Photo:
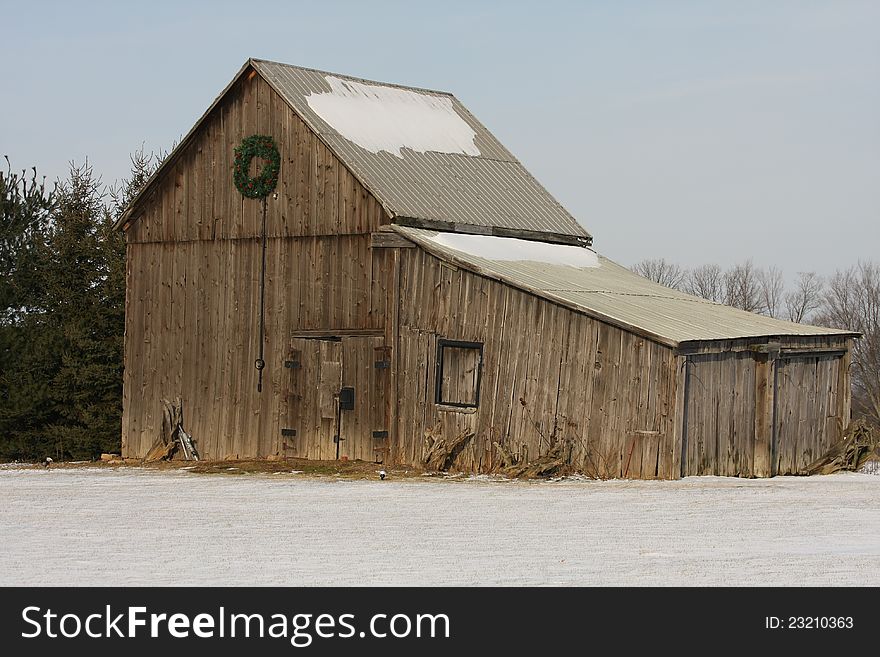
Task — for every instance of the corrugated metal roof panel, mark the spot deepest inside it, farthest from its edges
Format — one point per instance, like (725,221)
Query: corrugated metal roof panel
(616,294)
(469,193)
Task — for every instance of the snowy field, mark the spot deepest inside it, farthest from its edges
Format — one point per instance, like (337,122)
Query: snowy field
(132,526)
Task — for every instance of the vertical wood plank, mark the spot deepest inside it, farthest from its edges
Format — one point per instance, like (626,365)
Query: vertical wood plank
(763,416)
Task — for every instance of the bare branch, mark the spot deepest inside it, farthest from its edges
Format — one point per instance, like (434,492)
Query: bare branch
(660,271)
(742,288)
(805,298)
(707,282)
(771,291)
(852,301)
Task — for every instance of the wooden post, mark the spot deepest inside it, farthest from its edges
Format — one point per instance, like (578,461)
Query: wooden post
(844,388)
(763,466)
(678,466)
(393,428)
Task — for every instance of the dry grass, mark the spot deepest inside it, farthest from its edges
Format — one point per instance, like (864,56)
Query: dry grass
(299,467)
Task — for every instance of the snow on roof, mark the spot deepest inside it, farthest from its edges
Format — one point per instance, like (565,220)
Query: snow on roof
(382,118)
(511,249)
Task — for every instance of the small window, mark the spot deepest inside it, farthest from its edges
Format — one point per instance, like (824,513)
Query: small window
(459,366)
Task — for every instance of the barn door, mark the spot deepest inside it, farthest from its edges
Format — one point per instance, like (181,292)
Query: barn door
(806,410)
(314,374)
(366,370)
(337,392)
(719,429)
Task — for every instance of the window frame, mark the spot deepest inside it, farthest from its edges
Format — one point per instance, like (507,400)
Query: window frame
(442,343)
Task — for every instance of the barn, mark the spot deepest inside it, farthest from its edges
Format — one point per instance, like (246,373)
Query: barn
(406,276)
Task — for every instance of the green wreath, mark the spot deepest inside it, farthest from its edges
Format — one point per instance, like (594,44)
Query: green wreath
(264,183)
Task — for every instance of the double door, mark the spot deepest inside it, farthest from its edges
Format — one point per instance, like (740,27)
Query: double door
(337,398)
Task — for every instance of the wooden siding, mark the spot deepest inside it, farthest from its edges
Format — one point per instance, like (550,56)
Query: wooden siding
(192,330)
(195,198)
(548,374)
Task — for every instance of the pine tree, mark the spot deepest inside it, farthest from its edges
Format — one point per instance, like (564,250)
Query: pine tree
(62,316)
(26,362)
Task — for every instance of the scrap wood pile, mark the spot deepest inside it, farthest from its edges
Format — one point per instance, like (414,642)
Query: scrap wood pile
(860,444)
(553,464)
(173,440)
(440,455)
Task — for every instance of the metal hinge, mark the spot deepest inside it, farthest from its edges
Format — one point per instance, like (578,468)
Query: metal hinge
(288,432)
(291,364)
(380,434)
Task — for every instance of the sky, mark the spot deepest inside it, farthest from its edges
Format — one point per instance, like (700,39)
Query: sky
(699,132)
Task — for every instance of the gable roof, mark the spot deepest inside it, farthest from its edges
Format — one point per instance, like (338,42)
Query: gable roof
(421,153)
(581,279)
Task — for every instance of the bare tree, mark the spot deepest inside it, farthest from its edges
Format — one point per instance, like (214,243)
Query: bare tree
(707,282)
(660,271)
(742,287)
(852,301)
(771,291)
(805,298)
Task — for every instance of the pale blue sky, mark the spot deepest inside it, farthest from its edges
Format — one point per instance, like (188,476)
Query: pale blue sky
(696,131)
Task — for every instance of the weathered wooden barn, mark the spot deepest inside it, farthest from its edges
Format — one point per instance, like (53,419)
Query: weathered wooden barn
(408,274)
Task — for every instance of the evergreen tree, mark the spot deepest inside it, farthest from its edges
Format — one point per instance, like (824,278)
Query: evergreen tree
(62,313)
(87,383)
(26,408)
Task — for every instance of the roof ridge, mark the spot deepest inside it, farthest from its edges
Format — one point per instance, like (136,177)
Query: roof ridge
(684,296)
(354,78)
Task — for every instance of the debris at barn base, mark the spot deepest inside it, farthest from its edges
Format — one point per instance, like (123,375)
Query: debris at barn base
(506,458)
(440,454)
(172,438)
(860,445)
(110,457)
(554,463)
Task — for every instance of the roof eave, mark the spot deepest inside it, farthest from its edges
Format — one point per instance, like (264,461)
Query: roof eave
(471,229)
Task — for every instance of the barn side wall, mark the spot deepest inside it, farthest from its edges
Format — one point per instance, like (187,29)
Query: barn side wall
(193,272)
(548,374)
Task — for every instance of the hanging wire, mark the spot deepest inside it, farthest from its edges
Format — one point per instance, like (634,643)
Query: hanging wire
(260,364)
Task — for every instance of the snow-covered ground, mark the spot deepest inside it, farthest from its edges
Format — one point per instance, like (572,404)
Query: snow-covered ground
(134,526)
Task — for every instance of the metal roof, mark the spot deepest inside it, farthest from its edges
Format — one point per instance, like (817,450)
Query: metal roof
(488,193)
(615,294)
